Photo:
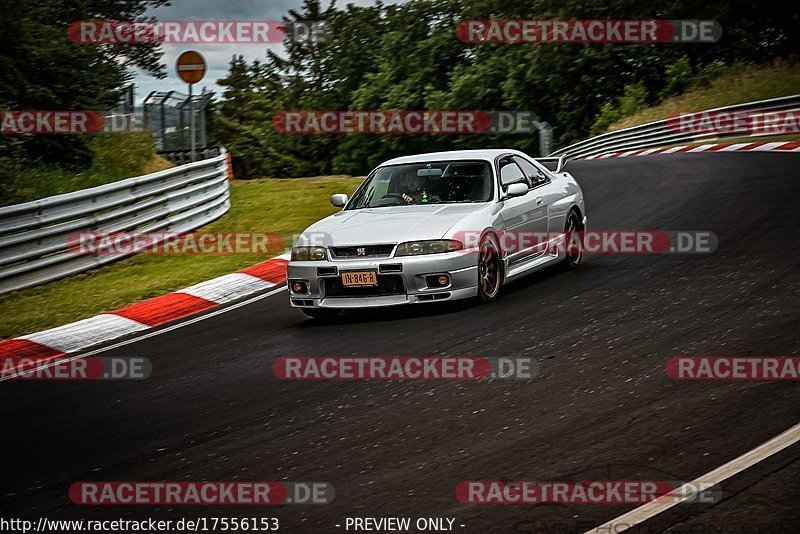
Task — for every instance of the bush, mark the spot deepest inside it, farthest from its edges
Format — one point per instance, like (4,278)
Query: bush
(680,77)
(609,114)
(632,100)
(113,156)
(715,70)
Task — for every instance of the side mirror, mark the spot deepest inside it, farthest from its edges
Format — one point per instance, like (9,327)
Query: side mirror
(517,190)
(339,200)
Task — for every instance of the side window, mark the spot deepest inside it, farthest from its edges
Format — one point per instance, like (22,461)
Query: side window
(510,173)
(536,176)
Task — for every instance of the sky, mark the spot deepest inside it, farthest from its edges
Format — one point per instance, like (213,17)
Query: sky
(217,56)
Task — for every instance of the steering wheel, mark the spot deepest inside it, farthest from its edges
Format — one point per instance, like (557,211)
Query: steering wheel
(393,195)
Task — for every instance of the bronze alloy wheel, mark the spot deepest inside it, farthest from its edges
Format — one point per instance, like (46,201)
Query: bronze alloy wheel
(574,246)
(489,270)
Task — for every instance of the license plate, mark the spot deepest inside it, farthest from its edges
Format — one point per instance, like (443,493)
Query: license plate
(360,278)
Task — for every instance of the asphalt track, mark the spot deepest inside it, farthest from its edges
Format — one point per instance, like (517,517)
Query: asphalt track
(601,407)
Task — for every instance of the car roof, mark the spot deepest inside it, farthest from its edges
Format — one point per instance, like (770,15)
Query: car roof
(488,155)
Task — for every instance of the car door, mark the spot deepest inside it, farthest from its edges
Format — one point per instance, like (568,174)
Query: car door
(524,217)
(546,187)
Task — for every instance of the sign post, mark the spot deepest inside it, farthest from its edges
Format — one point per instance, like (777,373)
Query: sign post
(191,67)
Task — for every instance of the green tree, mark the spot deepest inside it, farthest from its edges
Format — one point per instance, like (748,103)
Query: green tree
(406,57)
(40,68)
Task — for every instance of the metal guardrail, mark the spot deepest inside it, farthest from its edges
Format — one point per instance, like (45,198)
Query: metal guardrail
(179,157)
(655,134)
(35,236)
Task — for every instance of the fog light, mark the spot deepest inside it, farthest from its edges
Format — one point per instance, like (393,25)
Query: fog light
(437,280)
(299,286)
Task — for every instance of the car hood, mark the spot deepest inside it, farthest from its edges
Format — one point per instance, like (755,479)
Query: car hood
(393,224)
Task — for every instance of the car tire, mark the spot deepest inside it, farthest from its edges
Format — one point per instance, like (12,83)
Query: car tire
(574,251)
(490,269)
(320,314)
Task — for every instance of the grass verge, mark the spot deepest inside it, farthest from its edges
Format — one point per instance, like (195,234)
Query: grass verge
(739,84)
(114,156)
(264,205)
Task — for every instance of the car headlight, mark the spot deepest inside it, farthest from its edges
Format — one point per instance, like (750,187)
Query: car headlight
(415,248)
(308,253)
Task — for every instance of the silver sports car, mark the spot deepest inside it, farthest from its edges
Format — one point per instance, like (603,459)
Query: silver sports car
(436,227)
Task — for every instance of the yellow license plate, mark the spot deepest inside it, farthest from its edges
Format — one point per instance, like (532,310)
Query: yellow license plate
(360,278)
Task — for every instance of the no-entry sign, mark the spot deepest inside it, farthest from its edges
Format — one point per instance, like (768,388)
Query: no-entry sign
(191,67)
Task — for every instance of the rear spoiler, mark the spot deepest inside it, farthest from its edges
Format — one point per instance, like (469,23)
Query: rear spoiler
(560,162)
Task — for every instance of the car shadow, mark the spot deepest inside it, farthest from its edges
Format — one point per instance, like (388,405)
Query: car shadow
(433,309)
(394,313)
(553,271)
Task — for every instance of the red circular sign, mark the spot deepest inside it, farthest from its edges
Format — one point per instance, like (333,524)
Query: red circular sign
(191,67)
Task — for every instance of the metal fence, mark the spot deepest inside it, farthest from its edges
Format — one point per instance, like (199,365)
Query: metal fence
(168,116)
(179,157)
(658,133)
(35,236)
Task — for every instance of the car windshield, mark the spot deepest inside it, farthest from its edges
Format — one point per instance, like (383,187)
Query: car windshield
(443,182)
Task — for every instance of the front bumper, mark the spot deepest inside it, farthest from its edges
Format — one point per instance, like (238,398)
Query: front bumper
(401,280)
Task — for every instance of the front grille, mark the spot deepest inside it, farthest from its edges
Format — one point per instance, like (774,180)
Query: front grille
(369,251)
(387,285)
